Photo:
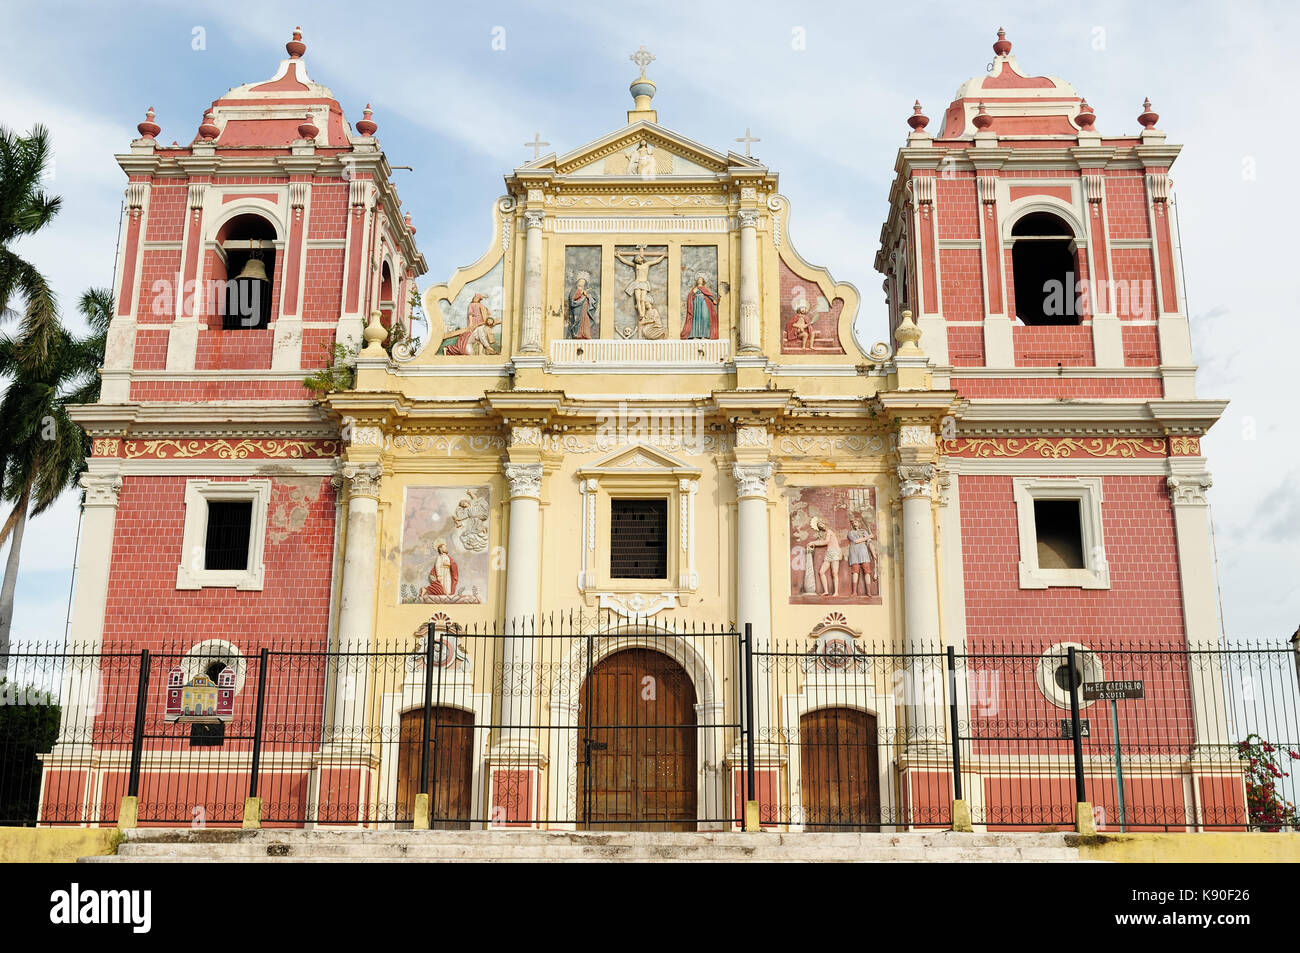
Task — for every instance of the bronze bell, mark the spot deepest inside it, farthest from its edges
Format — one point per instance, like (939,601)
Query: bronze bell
(254,269)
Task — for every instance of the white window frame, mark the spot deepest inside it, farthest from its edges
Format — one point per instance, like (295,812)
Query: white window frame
(190,574)
(1095,573)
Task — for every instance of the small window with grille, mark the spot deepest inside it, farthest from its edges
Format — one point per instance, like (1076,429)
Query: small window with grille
(229,525)
(638,539)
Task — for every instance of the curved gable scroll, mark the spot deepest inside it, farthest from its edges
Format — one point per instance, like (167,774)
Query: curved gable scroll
(814,312)
(468,314)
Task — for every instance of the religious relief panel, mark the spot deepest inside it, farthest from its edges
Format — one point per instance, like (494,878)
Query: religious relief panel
(834,556)
(582,292)
(809,323)
(445,545)
(700,291)
(472,322)
(642,277)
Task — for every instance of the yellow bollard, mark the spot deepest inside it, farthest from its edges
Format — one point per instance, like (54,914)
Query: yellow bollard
(961,817)
(752,823)
(421,820)
(129,813)
(252,813)
(1083,820)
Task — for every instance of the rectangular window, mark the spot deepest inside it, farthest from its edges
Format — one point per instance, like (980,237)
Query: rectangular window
(229,526)
(638,539)
(1060,534)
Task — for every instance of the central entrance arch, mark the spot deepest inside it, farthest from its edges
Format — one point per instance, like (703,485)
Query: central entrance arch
(637,744)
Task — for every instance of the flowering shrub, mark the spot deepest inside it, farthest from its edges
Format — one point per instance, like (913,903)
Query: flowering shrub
(1268,810)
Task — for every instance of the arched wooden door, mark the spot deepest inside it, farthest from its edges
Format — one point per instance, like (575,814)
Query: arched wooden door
(451,766)
(636,745)
(840,770)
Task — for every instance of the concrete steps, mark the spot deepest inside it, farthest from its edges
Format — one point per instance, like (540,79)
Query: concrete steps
(523,846)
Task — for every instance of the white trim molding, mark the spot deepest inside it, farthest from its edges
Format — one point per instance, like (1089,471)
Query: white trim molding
(1087,490)
(190,574)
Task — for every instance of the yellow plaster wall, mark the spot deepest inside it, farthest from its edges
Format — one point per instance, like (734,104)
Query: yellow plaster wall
(1204,848)
(55,845)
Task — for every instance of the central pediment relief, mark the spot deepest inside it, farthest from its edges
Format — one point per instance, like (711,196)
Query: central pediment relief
(641,150)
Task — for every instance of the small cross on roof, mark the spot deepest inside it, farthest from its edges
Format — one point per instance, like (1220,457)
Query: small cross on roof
(642,58)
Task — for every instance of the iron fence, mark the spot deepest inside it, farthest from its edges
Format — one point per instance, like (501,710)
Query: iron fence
(611,723)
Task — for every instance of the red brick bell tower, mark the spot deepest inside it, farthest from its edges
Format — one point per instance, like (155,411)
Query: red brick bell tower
(210,518)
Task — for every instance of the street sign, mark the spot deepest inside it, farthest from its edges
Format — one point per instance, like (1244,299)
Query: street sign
(1085,728)
(1110,691)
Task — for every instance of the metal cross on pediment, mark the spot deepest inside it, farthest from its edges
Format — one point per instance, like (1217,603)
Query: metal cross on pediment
(536,145)
(748,140)
(642,58)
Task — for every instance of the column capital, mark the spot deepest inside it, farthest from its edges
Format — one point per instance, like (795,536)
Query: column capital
(525,479)
(751,479)
(1189,489)
(363,479)
(748,218)
(101,489)
(534,218)
(915,479)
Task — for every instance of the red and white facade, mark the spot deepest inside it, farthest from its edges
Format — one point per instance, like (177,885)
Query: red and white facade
(1102,410)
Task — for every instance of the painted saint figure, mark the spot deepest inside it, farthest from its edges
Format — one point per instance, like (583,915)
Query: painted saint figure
(830,569)
(444,575)
(639,288)
(862,555)
(701,311)
(477,314)
(799,330)
(584,322)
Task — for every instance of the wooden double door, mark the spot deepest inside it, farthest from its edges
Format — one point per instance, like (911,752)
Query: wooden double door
(451,766)
(636,745)
(840,770)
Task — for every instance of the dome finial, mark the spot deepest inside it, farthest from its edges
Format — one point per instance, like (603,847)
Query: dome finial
(1086,116)
(642,88)
(296,47)
(982,119)
(208,129)
(918,120)
(1003,46)
(308,129)
(149,129)
(1148,118)
(367,126)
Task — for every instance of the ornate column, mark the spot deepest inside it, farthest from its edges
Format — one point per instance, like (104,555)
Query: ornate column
(514,758)
(1201,618)
(749,306)
(530,338)
(86,633)
(921,600)
(357,602)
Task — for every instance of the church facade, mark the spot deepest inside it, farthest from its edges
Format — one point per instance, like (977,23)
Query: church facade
(642,407)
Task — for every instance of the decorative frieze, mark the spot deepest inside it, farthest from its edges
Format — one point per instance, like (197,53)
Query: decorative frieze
(1054,448)
(230,449)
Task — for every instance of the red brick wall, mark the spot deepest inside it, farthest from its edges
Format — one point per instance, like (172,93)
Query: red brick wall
(1126,205)
(1141,345)
(961,284)
(1145,598)
(957,206)
(1045,346)
(966,345)
(1002,388)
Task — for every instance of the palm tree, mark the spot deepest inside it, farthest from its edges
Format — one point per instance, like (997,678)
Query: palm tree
(42,452)
(25,208)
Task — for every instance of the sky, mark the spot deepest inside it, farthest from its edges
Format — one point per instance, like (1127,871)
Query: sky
(458,89)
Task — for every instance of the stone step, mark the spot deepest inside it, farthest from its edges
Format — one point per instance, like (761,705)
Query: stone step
(184,845)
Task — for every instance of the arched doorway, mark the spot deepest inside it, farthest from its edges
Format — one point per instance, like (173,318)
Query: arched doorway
(451,766)
(840,770)
(636,744)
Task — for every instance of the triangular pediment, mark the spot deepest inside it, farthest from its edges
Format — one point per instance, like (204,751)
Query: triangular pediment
(640,458)
(639,149)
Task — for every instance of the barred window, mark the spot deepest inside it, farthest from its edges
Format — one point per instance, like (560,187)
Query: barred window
(638,543)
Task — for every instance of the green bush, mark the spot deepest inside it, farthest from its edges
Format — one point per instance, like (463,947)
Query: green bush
(29,726)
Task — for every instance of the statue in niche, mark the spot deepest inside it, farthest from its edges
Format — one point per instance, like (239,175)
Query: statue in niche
(641,159)
(701,320)
(584,321)
(639,288)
